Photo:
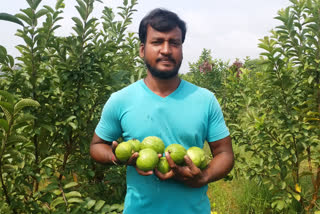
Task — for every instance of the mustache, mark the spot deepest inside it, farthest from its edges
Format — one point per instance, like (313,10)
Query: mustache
(166,59)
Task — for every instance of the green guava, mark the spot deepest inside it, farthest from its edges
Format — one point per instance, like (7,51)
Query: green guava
(197,155)
(177,153)
(124,151)
(163,165)
(154,143)
(135,144)
(147,160)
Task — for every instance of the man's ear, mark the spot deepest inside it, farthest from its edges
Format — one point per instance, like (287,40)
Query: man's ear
(141,50)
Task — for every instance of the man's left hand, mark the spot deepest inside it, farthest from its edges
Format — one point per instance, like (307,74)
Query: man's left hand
(188,174)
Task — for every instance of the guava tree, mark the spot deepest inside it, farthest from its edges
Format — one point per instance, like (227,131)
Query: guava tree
(207,72)
(71,77)
(277,107)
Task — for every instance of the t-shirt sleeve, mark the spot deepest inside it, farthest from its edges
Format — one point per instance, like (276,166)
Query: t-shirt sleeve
(109,126)
(217,128)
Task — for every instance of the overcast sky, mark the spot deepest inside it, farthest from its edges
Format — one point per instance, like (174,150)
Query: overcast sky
(230,29)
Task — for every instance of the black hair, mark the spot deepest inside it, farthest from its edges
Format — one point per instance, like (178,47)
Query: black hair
(161,20)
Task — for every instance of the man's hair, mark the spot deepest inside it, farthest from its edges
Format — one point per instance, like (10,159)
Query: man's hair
(161,20)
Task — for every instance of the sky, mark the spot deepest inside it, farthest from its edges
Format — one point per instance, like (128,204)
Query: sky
(231,29)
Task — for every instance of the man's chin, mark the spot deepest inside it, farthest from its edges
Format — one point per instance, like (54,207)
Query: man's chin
(164,74)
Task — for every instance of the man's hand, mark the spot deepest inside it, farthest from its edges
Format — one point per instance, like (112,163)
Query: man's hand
(188,174)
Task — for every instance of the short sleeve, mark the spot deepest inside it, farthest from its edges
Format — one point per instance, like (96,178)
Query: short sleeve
(217,128)
(109,128)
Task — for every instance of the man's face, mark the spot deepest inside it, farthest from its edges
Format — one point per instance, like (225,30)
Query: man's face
(162,52)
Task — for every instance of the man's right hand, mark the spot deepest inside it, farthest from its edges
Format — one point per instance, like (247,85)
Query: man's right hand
(131,162)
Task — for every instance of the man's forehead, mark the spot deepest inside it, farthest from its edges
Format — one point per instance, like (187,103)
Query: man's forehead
(153,33)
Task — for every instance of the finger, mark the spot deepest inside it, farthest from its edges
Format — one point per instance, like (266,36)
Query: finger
(114,160)
(114,145)
(132,160)
(194,169)
(162,176)
(141,172)
(171,163)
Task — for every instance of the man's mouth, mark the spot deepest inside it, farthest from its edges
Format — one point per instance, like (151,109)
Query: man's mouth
(166,60)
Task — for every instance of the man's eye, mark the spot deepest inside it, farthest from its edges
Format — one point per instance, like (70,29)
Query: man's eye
(175,43)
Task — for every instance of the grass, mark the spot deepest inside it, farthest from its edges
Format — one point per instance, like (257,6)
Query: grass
(238,197)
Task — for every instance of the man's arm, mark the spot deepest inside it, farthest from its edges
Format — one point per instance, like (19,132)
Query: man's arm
(219,166)
(223,159)
(101,150)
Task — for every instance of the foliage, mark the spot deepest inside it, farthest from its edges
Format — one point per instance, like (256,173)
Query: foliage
(272,107)
(273,111)
(206,72)
(71,77)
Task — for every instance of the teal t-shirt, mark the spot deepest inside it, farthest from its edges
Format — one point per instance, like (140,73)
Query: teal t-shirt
(188,116)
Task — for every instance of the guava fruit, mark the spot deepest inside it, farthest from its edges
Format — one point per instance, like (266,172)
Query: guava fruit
(147,159)
(177,153)
(204,164)
(124,151)
(135,144)
(197,155)
(163,165)
(154,143)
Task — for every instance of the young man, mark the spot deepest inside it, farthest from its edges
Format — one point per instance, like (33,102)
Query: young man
(165,106)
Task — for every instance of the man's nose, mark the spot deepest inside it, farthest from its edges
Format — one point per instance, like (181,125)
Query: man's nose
(166,49)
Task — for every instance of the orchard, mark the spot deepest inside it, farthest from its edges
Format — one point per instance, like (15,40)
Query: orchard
(50,102)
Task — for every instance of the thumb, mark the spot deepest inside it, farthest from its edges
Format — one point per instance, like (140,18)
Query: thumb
(114,145)
(189,163)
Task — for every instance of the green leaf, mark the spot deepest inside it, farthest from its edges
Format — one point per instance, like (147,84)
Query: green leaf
(4,124)
(280,204)
(10,18)
(56,202)
(69,185)
(24,118)
(28,12)
(59,4)
(41,13)
(90,204)
(73,125)
(7,109)
(98,205)
(75,200)
(78,22)
(73,194)
(115,207)
(36,4)
(106,209)
(47,159)
(81,9)
(49,8)
(17,138)
(310,79)
(24,18)
(24,103)
(7,95)
(296,196)
(9,167)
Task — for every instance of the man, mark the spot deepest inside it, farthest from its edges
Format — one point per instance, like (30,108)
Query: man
(165,106)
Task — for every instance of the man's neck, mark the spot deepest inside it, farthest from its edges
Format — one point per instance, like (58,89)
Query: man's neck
(162,87)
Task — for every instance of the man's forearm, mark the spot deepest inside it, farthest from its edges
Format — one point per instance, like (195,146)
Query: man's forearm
(219,166)
(102,153)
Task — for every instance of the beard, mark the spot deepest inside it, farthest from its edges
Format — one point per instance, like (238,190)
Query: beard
(163,74)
